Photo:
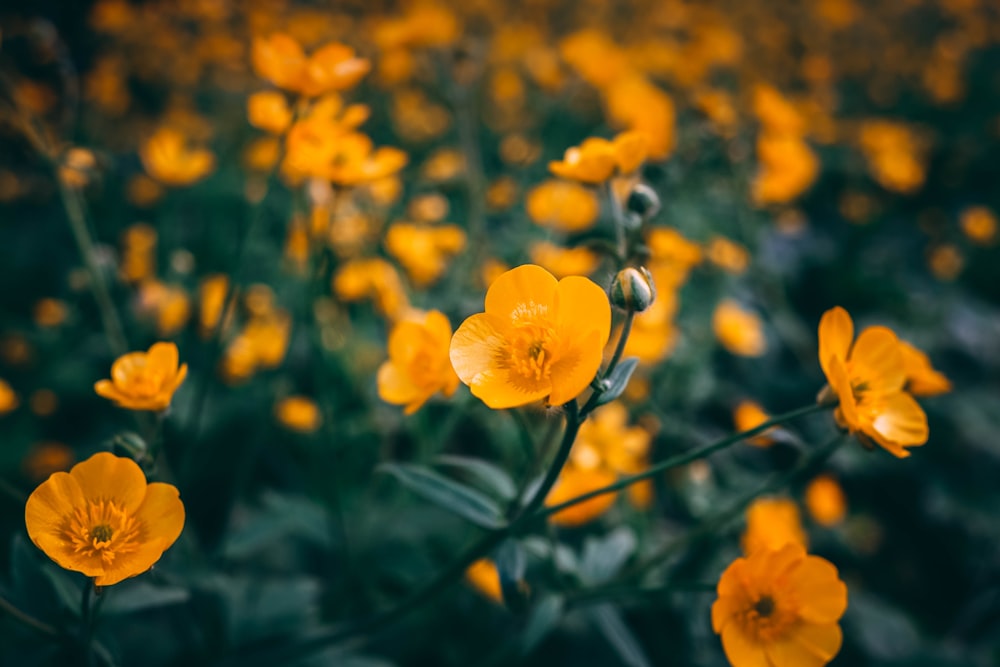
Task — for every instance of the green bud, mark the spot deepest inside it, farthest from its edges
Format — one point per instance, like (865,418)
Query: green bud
(643,202)
(633,289)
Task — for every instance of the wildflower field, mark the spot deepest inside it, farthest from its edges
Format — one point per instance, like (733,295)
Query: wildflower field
(483,333)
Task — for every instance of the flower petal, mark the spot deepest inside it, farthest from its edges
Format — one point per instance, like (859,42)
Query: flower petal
(876,361)
(525,291)
(164,358)
(822,595)
(841,385)
(741,649)
(117,478)
(807,645)
(901,422)
(395,386)
(836,331)
(576,368)
(581,304)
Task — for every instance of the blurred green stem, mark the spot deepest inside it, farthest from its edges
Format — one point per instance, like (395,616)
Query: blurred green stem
(26,619)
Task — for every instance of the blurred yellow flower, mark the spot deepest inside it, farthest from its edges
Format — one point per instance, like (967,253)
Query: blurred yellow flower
(574,481)
(418,366)
(727,255)
(268,110)
(372,278)
(102,519)
(921,377)
(738,330)
(562,262)
(484,577)
(423,250)
(780,608)
(788,167)
(868,376)
(825,501)
(979,224)
(8,398)
(894,153)
(280,59)
(596,159)
(771,524)
(564,206)
(212,296)
(748,415)
(45,458)
(144,380)
(298,413)
(169,158)
(50,312)
(539,338)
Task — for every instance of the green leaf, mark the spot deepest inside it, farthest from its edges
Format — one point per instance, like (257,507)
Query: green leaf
(68,593)
(133,596)
(609,621)
(544,618)
(511,565)
(448,494)
(618,380)
(603,557)
(489,475)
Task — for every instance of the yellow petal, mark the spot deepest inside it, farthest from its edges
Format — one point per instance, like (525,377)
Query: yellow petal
(479,341)
(163,357)
(806,646)
(576,368)
(394,386)
(822,595)
(876,360)
(582,305)
(48,505)
(741,649)
(525,291)
(901,422)
(836,332)
(841,385)
(162,512)
(117,478)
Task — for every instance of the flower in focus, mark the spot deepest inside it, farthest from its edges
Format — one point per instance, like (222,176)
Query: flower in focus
(739,331)
(169,158)
(103,519)
(780,608)
(921,377)
(484,577)
(771,524)
(539,338)
(418,366)
(825,501)
(867,376)
(298,413)
(144,380)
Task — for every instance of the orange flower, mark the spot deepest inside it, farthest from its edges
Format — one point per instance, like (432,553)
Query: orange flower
(169,159)
(739,331)
(979,224)
(538,338)
(727,255)
(788,167)
(418,366)
(424,251)
(574,481)
(144,380)
(596,159)
(867,376)
(563,206)
(780,608)
(771,524)
(750,415)
(921,378)
(825,501)
(8,398)
(268,110)
(103,519)
(281,60)
(562,262)
(484,577)
(298,413)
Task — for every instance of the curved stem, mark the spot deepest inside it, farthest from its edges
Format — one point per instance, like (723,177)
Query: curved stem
(26,619)
(679,460)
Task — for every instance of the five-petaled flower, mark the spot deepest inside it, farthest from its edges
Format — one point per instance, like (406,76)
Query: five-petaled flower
(418,366)
(780,608)
(103,519)
(144,380)
(538,338)
(868,377)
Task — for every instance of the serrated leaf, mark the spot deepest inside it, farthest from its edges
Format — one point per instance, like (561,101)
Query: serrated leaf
(448,494)
(492,476)
(609,621)
(618,380)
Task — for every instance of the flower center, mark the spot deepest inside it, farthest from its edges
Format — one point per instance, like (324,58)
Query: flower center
(769,620)
(145,382)
(764,606)
(531,352)
(103,530)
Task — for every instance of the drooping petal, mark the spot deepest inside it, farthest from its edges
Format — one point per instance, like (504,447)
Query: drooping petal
(836,332)
(742,649)
(807,645)
(527,291)
(901,422)
(876,361)
(822,595)
(117,478)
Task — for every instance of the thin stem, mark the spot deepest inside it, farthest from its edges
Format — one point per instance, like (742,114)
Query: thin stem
(621,234)
(573,421)
(622,340)
(27,619)
(681,459)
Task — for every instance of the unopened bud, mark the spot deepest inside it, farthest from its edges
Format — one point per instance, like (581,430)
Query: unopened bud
(643,201)
(633,289)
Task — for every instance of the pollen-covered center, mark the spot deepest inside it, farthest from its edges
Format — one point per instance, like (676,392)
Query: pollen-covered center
(102,529)
(144,381)
(532,351)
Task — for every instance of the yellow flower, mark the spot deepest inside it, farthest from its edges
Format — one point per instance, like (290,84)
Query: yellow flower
(484,577)
(169,159)
(373,278)
(562,262)
(212,294)
(771,524)
(424,251)
(979,224)
(280,59)
(750,415)
(867,376)
(825,501)
(268,110)
(418,366)
(50,312)
(298,413)
(597,159)
(780,608)
(144,380)
(538,338)
(103,519)
(727,255)
(739,331)
(563,206)
(8,398)
(574,481)
(788,167)
(921,378)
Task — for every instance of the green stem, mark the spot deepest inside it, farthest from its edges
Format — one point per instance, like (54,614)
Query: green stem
(621,234)
(26,619)
(573,421)
(681,459)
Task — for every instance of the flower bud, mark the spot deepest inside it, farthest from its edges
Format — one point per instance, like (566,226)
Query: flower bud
(643,201)
(633,289)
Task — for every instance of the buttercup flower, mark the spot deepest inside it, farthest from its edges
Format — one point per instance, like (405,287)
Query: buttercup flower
(771,524)
(298,413)
(103,519)
(780,608)
(739,331)
(564,206)
(748,415)
(485,578)
(538,338)
(169,159)
(868,376)
(825,501)
(418,366)
(921,378)
(144,380)
(596,159)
